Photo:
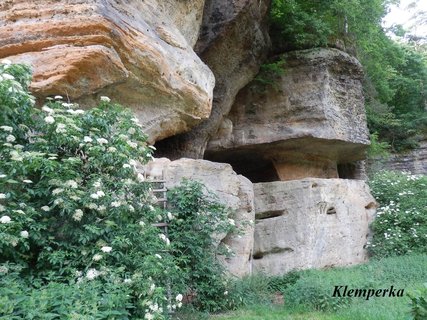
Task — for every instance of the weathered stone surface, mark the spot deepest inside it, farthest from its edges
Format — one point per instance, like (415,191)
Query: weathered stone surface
(233,190)
(137,52)
(311,223)
(233,43)
(313,117)
(414,161)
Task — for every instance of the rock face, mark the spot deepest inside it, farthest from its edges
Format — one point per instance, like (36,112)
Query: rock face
(311,223)
(233,190)
(137,52)
(145,54)
(414,161)
(233,42)
(312,120)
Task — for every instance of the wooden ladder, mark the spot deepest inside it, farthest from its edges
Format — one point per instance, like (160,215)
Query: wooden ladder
(159,190)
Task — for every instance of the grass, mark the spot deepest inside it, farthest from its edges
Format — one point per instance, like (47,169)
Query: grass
(311,296)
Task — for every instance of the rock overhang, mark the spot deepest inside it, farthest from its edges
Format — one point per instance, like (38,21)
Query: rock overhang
(314,113)
(138,53)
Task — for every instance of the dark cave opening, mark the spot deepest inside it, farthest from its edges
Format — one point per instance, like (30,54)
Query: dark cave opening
(347,171)
(251,165)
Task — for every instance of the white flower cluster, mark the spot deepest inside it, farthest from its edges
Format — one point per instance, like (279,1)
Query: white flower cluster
(5,219)
(411,177)
(6,76)
(97,195)
(78,215)
(116,204)
(106,249)
(72,184)
(153,309)
(165,239)
(97,257)
(6,128)
(391,208)
(60,128)
(92,274)
(102,141)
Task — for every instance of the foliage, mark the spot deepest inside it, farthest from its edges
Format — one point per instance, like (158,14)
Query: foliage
(280,283)
(419,303)
(315,293)
(57,300)
(76,216)
(269,72)
(377,148)
(249,290)
(401,223)
(198,221)
(396,107)
(301,24)
(396,133)
(73,206)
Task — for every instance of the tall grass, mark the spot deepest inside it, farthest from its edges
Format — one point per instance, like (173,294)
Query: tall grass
(310,296)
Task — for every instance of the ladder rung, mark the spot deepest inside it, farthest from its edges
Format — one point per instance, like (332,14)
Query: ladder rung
(162,200)
(155,181)
(159,190)
(160,224)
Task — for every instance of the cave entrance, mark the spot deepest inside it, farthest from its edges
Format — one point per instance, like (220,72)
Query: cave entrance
(352,170)
(252,166)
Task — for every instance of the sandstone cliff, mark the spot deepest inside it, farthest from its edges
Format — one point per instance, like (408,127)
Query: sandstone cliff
(414,161)
(187,68)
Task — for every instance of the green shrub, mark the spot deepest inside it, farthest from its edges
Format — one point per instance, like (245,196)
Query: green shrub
(248,291)
(269,72)
(75,214)
(403,272)
(60,300)
(314,292)
(401,223)
(378,149)
(419,303)
(198,219)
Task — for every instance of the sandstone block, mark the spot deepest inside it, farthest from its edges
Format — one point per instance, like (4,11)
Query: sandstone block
(311,223)
(232,190)
(313,116)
